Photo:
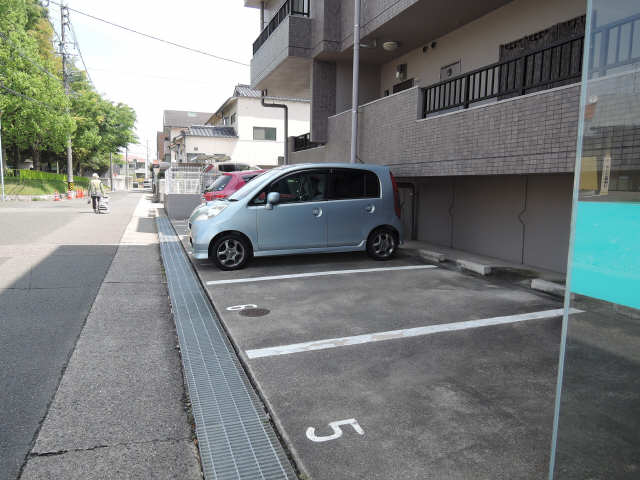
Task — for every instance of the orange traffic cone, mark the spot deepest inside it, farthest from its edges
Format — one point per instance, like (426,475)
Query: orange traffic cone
(56,196)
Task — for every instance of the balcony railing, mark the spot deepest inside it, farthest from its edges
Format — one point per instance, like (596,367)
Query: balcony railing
(552,66)
(290,7)
(303,142)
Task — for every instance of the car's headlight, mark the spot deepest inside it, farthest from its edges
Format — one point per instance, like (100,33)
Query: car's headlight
(209,212)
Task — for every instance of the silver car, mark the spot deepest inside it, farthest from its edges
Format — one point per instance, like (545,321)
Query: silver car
(294,209)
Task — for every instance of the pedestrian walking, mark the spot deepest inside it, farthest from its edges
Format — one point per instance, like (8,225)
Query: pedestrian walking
(96,190)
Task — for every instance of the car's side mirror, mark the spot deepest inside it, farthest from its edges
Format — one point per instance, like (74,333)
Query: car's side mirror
(272,199)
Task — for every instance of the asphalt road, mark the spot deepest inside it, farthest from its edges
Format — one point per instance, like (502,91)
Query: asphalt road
(390,373)
(53,259)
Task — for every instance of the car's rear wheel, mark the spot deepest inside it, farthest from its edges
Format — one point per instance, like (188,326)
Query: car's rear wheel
(382,243)
(230,252)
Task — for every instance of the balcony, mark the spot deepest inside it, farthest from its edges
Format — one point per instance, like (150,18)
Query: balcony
(290,7)
(553,66)
(281,53)
(303,142)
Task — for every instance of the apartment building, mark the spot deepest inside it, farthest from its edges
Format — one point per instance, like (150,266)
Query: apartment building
(473,104)
(242,130)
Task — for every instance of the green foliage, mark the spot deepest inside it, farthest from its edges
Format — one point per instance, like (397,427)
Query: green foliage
(43,121)
(40,123)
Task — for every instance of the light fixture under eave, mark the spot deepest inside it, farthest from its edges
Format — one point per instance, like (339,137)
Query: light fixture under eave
(390,46)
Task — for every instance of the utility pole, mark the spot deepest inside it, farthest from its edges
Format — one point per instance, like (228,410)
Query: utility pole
(146,164)
(1,164)
(126,168)
(64,24)
(356,74)
(111,170)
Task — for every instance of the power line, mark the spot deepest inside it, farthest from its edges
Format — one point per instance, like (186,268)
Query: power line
(202,52)
(75,37)
(31,99)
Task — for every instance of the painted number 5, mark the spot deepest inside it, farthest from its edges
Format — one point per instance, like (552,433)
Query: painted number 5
(337,431)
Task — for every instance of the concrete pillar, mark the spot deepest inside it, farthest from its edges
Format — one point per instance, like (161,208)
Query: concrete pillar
(323,98)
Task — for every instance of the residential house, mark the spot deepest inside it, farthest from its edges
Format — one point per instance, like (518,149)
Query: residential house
(173,122)
(473,104)
(242,130)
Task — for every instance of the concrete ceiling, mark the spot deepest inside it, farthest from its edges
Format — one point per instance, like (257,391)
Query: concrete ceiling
(420,24)
(292,78)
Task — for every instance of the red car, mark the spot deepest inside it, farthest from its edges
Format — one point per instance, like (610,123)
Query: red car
(227,183)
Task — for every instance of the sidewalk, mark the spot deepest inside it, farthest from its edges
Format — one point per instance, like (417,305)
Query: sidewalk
(120,409)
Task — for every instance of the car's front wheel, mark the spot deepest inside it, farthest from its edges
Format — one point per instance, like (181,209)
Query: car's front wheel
(230,252)
(382,243)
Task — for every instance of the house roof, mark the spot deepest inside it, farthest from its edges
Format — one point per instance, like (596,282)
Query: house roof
(180,118)
(211,131)
(246,91)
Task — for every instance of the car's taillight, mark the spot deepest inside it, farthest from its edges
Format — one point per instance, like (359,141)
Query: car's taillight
(219,195)
(396,195)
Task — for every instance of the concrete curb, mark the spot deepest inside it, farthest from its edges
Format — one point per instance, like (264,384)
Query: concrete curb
(474,267)
(548,287)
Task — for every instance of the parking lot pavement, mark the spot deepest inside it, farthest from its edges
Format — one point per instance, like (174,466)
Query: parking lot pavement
(373,374)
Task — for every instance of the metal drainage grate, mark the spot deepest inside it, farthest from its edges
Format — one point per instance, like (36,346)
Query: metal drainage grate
(235,438)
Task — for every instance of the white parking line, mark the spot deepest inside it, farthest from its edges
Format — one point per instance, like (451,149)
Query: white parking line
(317,274)
(405,333)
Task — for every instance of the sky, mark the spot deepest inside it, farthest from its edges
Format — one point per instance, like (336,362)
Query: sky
(151,76)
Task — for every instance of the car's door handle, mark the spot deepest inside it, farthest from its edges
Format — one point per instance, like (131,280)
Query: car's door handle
(317,212)
(370,208)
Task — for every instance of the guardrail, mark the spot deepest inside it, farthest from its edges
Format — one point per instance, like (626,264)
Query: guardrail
(290,7)
(554,65)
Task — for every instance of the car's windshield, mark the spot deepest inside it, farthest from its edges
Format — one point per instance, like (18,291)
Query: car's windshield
(248,187)
(219,183)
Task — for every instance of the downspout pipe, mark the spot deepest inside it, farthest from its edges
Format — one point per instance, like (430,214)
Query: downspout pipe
(356,74)
(286,124)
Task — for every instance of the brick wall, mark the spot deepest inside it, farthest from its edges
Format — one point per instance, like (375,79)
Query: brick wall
(530,134)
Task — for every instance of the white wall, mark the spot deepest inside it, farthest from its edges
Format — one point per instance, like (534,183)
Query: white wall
(477,43)
(210,145)
(252,114)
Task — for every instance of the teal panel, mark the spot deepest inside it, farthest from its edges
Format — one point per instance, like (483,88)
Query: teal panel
(606,260)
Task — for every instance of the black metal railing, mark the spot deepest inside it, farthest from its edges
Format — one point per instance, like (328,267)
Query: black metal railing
(555,65)
(303,142)
(290,7)
(613,45)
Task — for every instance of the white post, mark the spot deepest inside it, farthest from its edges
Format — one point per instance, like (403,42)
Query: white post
(1,164)
(356,73)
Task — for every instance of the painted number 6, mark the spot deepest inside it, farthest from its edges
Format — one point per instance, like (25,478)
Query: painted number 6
(337,431)
(236,308)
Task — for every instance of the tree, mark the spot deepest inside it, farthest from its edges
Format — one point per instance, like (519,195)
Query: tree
(102,127)
(33,101)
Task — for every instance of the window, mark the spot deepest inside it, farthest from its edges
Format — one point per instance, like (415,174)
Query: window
(264,133)
(233,119)
(349,184)
(218,184)
(248,178)
(308,186)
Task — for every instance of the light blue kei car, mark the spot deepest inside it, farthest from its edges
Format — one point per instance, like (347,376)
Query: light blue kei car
(294,209)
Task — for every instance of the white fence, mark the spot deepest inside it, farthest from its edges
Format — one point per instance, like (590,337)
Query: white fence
(184,178)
